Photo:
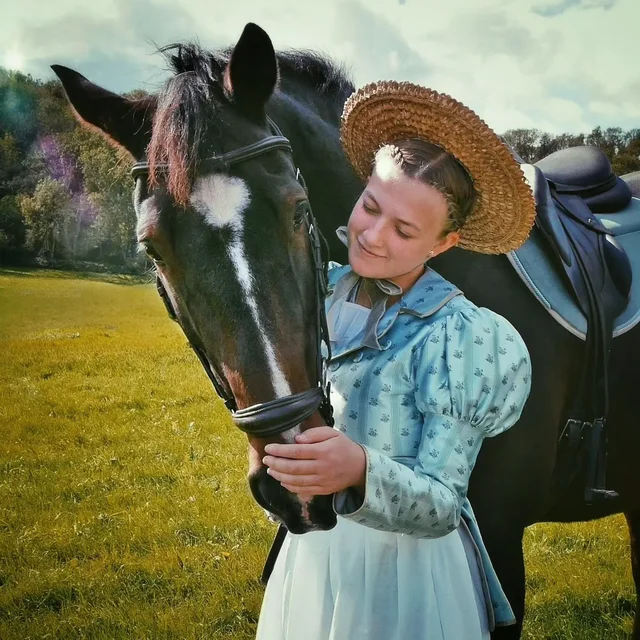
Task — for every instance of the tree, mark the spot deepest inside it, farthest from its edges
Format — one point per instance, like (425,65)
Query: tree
(12,228)
(32,169)
(53,113)
(524,141)
(628,160)
(566,140)
(548,144)
(107,183)
(9,159)
(19,95)
(45,213)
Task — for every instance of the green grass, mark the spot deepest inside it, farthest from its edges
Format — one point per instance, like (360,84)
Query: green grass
(124,508)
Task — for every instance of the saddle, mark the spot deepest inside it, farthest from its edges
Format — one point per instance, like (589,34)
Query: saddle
(576,265)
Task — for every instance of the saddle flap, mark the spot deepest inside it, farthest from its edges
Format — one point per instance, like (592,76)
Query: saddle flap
(547,219)
(560,216)
(537,265)
(574,206)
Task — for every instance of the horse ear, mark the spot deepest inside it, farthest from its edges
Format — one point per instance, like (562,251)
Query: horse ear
(124,122)
(252,72)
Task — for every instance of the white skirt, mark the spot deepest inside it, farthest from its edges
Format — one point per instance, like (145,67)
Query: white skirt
(354,582)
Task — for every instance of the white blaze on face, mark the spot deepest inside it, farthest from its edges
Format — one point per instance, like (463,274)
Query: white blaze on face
(222,201)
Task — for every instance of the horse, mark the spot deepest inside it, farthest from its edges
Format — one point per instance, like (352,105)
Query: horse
(234,256)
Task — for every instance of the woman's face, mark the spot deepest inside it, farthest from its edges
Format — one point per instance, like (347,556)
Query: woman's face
(395,224)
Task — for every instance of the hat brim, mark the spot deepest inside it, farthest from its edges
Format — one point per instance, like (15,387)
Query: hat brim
(386,112)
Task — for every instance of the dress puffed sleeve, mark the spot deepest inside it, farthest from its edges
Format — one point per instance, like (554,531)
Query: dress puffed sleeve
(471,378)
(481,374)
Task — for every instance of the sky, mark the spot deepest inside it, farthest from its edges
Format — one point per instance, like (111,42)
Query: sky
(555,65)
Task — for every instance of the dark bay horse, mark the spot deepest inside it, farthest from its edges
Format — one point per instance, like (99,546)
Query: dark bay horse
(235,261)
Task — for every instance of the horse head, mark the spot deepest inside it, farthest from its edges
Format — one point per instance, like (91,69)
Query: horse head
(224,216)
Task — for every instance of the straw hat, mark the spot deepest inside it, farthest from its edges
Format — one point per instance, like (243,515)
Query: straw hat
(385,112)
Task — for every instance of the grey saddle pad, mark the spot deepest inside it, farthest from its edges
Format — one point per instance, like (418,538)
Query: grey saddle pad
(537,267)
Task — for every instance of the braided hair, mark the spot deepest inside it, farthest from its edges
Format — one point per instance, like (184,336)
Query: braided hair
(436,168)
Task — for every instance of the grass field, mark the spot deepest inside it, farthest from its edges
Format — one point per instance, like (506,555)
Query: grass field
(124,509)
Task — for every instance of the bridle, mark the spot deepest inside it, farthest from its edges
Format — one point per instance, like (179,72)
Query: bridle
(275,416)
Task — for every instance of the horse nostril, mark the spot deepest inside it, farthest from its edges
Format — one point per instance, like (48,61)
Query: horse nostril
(269,493)
(256,483)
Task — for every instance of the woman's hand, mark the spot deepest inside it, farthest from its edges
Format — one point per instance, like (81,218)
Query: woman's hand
(323,461)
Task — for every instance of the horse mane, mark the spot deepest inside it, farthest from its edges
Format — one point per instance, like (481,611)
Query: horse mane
(189,97)
(323,75)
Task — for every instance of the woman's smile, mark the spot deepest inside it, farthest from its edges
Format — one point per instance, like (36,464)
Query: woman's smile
(366,252)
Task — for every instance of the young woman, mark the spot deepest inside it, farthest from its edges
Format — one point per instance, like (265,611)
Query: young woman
(420,376)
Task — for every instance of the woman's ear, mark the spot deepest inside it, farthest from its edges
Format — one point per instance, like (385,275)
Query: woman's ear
(450,240)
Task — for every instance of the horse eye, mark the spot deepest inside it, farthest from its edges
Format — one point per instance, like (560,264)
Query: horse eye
(152,253)
(301,214)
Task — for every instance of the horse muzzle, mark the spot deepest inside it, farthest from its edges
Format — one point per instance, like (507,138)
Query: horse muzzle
(298,515)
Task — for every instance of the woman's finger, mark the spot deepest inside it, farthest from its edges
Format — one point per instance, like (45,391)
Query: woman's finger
(293,451)
(294,467)
(298,480)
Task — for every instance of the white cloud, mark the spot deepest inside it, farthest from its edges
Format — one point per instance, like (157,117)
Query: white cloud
(552,8)
(627,109)
(558,65)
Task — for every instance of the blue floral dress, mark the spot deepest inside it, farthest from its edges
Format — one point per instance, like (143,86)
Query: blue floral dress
(420,385)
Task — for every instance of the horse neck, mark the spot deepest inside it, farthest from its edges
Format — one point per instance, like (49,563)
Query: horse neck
(311,121)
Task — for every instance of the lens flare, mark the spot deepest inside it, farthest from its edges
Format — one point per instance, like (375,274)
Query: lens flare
(13,60)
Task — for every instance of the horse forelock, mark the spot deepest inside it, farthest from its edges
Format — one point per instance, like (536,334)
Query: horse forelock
(186,105)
